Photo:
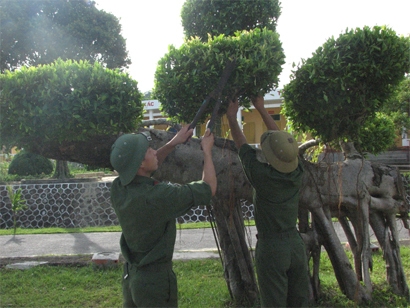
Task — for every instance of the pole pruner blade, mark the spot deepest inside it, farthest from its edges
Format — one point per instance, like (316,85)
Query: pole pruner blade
(215,94)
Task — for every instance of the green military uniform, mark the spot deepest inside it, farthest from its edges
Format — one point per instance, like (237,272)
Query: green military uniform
(147,211)
(281,262)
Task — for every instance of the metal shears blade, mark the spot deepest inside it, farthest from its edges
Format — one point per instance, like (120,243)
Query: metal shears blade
(215,94)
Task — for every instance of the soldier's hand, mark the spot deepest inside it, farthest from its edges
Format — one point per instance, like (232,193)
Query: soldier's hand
(207,141)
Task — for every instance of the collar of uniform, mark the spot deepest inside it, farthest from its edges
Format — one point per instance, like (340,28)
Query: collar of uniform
(139,179)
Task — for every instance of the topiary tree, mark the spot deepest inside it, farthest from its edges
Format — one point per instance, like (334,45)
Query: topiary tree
(44,108)
(336,91)
(201,18)
(25,163)
(335,95)
(39,32)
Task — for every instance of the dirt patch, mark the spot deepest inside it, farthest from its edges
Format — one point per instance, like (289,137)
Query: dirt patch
(67,260)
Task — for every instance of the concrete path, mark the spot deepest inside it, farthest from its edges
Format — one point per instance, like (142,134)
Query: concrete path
(190,243)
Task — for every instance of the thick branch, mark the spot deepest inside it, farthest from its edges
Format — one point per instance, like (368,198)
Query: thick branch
(308,144)
(161,121)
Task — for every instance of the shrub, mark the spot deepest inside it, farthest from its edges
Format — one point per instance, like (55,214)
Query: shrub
(26,163)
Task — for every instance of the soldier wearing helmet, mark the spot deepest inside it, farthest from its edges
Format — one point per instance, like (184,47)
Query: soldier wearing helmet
(147,212)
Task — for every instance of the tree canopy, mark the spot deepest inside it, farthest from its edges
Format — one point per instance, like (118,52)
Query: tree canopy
(185,76)
(332,94)
(66,101)
(203,17)
(41,31)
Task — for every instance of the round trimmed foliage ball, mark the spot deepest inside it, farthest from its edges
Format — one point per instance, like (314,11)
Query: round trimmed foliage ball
(26,163)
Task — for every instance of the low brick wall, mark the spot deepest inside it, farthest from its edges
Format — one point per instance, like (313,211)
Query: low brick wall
(74,204)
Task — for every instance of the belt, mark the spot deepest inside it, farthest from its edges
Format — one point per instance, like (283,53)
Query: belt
(277,235)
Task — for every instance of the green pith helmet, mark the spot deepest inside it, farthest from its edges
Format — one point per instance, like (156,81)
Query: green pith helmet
(280,150)
(127,154)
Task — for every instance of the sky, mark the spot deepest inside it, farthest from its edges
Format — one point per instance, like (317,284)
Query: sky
(150,26)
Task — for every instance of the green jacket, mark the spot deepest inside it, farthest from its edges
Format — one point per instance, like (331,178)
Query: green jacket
(275,194)
(147,210)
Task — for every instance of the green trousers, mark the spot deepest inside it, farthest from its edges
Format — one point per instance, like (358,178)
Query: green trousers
(152,287)
(282,271)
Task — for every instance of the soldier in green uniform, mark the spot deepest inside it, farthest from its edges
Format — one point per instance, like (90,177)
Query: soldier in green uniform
(147,210)
(281,261)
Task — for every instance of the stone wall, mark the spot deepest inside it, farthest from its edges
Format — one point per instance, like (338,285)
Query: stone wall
(74,204)
(82,203)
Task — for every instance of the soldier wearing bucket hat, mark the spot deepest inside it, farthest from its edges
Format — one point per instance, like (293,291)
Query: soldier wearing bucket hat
(281,262)
(280,150)
(147,209)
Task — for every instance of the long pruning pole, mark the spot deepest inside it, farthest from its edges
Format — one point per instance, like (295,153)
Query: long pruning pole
(215,231)
(215,94)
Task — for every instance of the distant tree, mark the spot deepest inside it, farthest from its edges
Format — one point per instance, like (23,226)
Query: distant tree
(398,106)
(377,134)
(147,95)
(46,106)
(203,17)
(346,81)
(41,31)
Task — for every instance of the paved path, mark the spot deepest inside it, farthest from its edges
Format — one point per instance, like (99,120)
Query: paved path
(190,243)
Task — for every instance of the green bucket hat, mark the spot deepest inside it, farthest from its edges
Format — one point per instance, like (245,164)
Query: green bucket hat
(127,154)
(280,150)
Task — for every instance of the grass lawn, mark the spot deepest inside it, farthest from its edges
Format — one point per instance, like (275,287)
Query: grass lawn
(200,282)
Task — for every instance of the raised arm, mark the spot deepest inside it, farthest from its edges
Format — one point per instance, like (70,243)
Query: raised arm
(236,132)
(259,104)
(183,135)
(208,174)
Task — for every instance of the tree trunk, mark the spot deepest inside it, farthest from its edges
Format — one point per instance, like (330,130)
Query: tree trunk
(354,188)
(61,171)
(384,229)
(344,273)
(237,262)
